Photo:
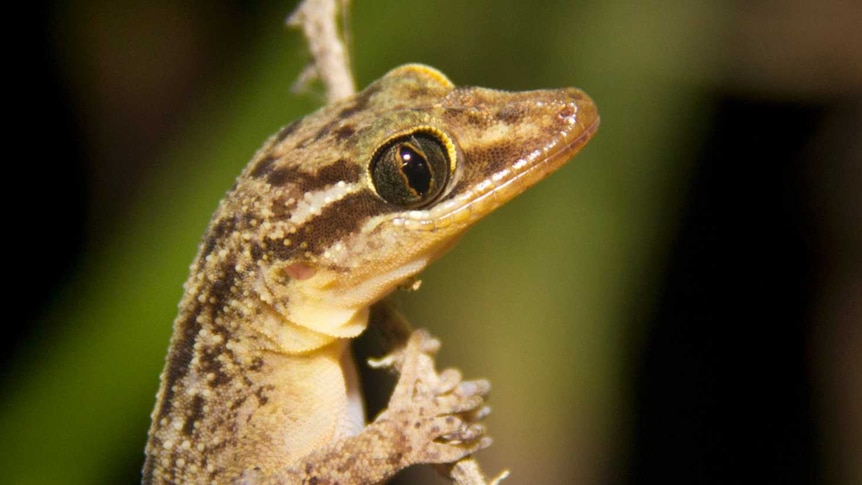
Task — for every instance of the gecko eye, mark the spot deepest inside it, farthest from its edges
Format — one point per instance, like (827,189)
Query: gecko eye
(412,170)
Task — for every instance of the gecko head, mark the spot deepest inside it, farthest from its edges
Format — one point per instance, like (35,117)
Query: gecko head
(365,193)
(445,161)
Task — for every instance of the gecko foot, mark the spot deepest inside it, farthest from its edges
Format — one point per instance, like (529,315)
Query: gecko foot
(435,414)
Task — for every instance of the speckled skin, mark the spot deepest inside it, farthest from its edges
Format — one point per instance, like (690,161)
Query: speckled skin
(259,385)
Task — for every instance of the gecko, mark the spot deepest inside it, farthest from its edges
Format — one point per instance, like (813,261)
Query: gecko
(331,215)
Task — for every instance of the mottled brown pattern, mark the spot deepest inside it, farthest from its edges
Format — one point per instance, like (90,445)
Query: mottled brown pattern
(218,230)
(254,382)
(334,172)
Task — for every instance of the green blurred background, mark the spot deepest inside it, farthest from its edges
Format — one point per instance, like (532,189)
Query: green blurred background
(681,303)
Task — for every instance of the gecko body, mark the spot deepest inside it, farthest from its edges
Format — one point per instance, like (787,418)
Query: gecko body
(331,215)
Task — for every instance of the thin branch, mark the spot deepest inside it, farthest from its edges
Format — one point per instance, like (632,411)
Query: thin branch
(318,21)
(467,472)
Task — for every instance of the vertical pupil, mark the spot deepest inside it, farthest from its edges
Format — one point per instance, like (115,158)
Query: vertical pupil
(415,169)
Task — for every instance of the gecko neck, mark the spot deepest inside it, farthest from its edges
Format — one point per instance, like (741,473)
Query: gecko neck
(298,316)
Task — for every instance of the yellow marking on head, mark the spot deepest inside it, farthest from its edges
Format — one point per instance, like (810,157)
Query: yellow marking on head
(422,69)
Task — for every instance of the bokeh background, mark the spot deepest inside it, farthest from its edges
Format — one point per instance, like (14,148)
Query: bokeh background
(682,303)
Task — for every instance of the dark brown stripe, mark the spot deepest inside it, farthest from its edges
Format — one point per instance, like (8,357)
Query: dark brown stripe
(340,219)
(196,412)
(344,133)
(263,167)
(278,176)
(179,358)
(217,232)
(338,171)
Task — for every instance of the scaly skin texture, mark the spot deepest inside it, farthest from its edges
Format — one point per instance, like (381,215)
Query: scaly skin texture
(259,384)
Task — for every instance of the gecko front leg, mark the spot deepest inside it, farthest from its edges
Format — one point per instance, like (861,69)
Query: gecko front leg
(431,418)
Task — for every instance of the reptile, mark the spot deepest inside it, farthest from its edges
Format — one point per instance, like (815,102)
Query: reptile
(332,214)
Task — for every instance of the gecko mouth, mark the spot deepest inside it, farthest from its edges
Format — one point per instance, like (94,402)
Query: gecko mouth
(502,186)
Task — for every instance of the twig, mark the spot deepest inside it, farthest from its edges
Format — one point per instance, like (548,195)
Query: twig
(467,472)
(318,21)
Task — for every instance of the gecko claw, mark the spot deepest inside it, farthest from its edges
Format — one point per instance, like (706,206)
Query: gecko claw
(478,387)
(436,413)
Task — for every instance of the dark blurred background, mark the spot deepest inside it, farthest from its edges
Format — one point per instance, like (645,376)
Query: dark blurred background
(682,303)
